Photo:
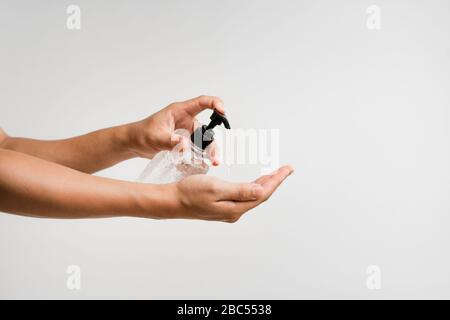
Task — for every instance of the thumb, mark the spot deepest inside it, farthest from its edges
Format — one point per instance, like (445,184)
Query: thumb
(241,191)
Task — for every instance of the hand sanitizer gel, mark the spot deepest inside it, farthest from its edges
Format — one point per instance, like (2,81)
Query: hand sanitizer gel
(172,166)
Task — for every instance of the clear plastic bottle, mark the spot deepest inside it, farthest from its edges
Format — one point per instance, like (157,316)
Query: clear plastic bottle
(172,166)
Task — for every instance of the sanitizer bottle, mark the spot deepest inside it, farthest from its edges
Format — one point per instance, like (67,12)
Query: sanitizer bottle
(172,166)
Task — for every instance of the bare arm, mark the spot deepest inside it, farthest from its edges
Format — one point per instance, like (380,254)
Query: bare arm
(87,153)
(104,148)
(32,186)
(36,187)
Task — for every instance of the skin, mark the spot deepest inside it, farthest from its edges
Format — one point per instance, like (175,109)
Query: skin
(52,178)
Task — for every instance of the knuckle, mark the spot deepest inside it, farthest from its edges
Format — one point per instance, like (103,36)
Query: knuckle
(244,193)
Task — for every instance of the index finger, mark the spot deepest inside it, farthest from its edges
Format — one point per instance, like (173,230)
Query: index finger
(196,105)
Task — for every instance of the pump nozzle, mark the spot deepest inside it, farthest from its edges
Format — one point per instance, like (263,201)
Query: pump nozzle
(217,119)
(204,135)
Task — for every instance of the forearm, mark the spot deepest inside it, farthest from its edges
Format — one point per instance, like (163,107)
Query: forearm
(88,153)
(35,187)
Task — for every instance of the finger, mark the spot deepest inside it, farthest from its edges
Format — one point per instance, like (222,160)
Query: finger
(274,181)
(212,152)
(240,191)
(197,105)
(264,178)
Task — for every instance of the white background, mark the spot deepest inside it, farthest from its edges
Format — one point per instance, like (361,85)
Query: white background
(363,117)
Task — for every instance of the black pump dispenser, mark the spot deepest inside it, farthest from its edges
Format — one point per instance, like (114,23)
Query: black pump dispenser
(204,135)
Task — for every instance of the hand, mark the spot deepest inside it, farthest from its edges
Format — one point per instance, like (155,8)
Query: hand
(208,198)
(156,133)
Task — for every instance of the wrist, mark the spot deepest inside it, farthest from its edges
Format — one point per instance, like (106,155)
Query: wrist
(123,139)
(157,201)
(138,143)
